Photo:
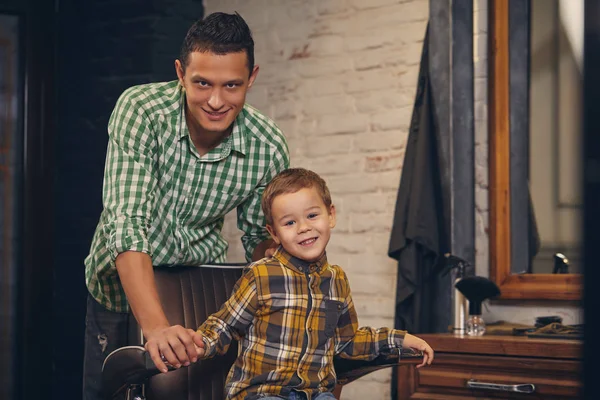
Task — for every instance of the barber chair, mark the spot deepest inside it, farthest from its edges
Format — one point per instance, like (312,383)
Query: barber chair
(189,295)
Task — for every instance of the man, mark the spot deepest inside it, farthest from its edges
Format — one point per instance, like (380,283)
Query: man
(181,155)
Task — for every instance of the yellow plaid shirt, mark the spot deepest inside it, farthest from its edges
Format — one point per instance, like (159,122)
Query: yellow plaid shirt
(291,318)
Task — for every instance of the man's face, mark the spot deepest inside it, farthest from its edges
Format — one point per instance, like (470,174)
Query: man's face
(302,223)
(215,87)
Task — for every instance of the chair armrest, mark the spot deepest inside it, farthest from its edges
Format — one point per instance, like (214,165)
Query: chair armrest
(350,370)
(126,366)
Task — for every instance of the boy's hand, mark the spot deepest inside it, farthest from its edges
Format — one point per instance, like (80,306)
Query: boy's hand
(421,345)
(175,345)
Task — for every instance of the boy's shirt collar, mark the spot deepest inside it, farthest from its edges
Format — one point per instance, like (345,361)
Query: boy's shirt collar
(299,265)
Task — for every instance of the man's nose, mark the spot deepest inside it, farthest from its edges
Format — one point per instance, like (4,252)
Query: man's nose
(215,101)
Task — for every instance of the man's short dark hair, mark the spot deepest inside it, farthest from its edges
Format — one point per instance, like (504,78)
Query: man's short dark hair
(219,33)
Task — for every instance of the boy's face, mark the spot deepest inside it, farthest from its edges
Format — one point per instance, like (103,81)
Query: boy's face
(302,223)
(215,87)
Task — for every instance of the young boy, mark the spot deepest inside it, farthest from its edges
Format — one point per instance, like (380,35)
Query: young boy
(293,312)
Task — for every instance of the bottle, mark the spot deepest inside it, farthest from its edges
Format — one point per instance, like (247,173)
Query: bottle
(459,309)
(477,289)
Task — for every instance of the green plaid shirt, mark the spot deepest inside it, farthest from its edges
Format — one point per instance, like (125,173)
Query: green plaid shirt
(291,318)
(161,198)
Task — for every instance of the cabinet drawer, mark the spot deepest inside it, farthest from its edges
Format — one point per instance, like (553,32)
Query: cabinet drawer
(448,377)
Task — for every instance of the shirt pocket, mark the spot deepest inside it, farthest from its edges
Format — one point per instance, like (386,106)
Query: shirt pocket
(333,310)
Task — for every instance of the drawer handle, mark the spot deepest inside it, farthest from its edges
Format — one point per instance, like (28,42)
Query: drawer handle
(521,388)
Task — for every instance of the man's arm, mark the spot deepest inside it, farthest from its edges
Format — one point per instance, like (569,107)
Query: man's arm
(179,346)
(251,219)
(129,201)
(265,248)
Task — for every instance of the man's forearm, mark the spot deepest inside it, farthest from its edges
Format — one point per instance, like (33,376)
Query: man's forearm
(137,277)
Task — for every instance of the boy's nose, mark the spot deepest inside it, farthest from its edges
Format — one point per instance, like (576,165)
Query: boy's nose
(303,227)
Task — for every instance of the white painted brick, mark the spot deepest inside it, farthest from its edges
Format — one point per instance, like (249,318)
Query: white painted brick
(376,79)
(334,104)
(379,242)
(287,90)
(336,124)
(332,7)
(381,140)
(323,146)
(374,306)
(360,223)
(342,221)
(328,166)
(348,243)
(355,183)
(318,67)
(378,19)
(323,46)
(384,162)
(369,284)
(363,4)
(389,180)
(327,85)
(375,264)
(397,119)
(365,203)
(287,109)
(374,101)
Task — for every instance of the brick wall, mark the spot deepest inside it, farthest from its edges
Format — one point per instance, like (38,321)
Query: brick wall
(339,77)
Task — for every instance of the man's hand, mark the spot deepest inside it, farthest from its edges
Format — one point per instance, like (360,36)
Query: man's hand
(421,345)
(174,344)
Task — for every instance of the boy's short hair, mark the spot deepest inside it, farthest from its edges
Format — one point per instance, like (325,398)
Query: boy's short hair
(292,180)
(219,33)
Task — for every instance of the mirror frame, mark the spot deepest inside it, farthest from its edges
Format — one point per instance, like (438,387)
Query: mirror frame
(512,286)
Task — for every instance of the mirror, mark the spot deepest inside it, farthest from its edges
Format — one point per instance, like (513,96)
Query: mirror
(555,134)
(534,151)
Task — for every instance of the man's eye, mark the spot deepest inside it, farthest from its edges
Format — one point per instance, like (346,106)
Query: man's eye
(203,83)
(231,85)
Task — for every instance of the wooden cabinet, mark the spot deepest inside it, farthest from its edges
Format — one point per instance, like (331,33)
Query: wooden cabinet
(495,367)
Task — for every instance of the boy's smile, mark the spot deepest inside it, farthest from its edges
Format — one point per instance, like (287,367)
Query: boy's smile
(302,223)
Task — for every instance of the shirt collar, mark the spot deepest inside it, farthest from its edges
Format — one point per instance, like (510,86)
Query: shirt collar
(296,264)
(236,141)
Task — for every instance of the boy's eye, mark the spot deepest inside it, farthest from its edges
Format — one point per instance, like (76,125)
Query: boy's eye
(312,215)
(288,223)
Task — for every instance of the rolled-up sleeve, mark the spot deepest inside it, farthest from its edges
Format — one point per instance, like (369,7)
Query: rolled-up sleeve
(129,178)
(251,220)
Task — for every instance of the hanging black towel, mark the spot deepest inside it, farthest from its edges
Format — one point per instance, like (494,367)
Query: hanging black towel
(419,233)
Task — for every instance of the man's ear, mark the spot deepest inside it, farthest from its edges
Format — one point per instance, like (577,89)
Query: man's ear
(273,234)
(179,71)
(332,216)
(253,76)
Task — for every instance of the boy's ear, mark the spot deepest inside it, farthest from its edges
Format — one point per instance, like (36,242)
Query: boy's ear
(332,216)
(273,234)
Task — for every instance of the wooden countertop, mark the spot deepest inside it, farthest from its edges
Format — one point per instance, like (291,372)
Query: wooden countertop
(503,345)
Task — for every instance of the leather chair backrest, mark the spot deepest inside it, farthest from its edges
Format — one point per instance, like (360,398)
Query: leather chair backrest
(188,296)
